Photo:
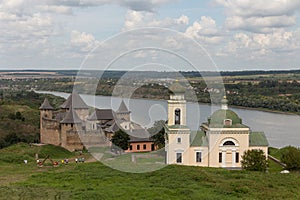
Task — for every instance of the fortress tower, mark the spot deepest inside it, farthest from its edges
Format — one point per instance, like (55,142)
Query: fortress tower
(49,127)
(123,113)
(75,102)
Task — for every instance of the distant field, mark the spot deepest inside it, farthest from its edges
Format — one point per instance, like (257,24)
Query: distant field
(96,181)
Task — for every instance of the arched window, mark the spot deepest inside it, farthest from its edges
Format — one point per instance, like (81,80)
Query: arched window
(227,122)
(177,116)
(229,143)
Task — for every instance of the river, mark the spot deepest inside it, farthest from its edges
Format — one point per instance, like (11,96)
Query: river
(280,129)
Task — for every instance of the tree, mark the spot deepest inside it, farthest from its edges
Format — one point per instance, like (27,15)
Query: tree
(254,160)
(291,157)
(158,133)
(121,139)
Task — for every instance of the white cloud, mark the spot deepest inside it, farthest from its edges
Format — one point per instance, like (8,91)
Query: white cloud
(258,8)
(136,19)
(259,16)
(83,41)
(25,31)
(259,44)
(205,30)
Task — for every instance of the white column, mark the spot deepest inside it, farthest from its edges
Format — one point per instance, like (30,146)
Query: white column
(233,158)
(223,158)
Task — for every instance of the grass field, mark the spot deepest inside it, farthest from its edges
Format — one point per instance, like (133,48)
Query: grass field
(97,181)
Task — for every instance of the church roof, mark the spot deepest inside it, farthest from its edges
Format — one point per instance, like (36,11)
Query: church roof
(74,101)
(71,118)
(258,139)
(218,117)
(198,138)
(177,126)
(102,114)
(46,105)
(123,108)
(177,88)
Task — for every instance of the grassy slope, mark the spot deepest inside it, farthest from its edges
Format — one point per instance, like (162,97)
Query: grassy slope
(96,181)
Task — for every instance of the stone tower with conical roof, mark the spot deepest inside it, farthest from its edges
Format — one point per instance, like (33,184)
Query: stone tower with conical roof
(71,125)
(46,109)
(123,113)
(75,102)
(49,127)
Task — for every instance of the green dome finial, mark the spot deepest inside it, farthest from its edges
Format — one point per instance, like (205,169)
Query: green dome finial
(224,103)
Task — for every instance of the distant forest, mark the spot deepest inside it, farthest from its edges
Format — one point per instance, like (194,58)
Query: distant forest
(119,74)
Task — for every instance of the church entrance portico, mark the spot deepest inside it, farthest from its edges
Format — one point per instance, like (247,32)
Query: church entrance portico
(229,152)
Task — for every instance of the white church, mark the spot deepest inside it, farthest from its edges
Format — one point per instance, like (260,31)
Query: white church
(220,142)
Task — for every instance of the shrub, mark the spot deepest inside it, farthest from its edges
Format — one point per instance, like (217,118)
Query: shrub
(291,157)
(121,139)
(254,160)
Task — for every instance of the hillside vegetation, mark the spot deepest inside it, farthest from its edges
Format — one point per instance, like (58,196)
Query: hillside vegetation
(96,181)
(20,117)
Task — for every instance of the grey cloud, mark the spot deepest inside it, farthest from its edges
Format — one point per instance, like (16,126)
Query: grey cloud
(137,5)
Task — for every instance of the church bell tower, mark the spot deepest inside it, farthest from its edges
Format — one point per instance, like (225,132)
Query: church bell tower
(177,106)
(177,133)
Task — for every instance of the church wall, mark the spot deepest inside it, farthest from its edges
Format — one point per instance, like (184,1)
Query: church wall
(265,149)
(215,142)
(204,157)
(175,147)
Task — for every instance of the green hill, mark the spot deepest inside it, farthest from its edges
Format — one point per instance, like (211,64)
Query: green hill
(97,181)
(17,153)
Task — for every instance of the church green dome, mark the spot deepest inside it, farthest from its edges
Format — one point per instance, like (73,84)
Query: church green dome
(219,116)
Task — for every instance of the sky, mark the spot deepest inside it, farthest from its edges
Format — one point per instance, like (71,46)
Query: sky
(150,34)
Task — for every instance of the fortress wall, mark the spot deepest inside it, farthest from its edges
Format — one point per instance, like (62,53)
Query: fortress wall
(77,139)
(50,132)
(64,129)
(88,138)
(73,142)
